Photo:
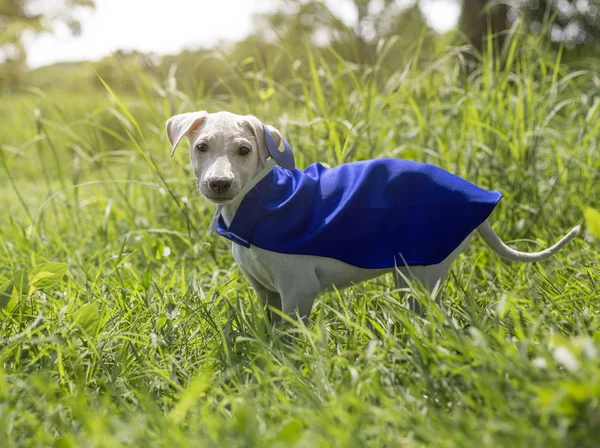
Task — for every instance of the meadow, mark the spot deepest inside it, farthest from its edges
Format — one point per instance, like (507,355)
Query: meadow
(124,322)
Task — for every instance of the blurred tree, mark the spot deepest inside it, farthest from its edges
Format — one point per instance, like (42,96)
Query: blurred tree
(360,28)
(574,23)
(480,17)
(18,17)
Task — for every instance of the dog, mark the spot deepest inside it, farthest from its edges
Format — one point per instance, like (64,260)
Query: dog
(233,160)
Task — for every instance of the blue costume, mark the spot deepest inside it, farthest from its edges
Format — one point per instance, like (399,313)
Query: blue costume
(373,214)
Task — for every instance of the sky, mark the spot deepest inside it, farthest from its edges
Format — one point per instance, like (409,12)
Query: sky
(168,26)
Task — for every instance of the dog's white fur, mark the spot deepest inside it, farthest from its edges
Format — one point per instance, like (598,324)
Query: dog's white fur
(286,282)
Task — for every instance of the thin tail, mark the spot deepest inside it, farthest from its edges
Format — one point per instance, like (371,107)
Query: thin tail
(498,246)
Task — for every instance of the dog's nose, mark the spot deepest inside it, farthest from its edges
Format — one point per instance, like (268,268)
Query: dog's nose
(221,185)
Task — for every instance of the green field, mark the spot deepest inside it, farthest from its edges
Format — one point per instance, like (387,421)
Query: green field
(154,338)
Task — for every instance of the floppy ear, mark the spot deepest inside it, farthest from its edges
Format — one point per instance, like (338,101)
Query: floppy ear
(183,125)
(255,126)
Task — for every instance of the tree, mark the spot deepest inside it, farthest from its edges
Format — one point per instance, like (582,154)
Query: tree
(482,17)
(573,23)
(320,23)
(18,17)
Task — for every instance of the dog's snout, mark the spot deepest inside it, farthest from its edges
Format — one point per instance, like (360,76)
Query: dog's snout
(220,185)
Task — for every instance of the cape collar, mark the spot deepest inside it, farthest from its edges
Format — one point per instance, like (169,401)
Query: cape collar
(283,158)
(271,163)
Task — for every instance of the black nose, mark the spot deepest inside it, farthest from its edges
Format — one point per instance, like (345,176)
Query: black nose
(220,185)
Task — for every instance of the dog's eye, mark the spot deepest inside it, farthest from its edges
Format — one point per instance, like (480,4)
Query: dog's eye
(202,147)
(243,150)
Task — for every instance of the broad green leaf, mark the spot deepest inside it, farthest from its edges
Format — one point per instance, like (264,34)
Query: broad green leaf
(291,433)
(46,275)
(87,317)
(592,220)
(65,441)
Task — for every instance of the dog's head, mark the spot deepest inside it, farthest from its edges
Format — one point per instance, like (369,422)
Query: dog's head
(226,150)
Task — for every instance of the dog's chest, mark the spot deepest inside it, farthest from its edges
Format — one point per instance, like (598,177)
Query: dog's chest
(254,262)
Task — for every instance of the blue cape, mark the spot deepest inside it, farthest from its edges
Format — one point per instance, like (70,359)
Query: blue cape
(374,214)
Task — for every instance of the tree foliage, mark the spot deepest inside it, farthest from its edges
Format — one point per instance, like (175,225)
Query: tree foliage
(19,17)
(354,35)
(349,30)
(573,23)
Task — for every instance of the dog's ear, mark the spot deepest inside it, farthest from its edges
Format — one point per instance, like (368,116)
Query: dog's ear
(183,125)
(256,127)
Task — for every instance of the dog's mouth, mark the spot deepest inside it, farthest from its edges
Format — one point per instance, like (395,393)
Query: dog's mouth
(219,199)
(216,197)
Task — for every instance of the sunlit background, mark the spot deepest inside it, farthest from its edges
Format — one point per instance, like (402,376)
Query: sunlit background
(104,36)
(169,27)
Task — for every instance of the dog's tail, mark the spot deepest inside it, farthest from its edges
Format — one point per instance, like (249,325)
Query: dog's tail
(494,241)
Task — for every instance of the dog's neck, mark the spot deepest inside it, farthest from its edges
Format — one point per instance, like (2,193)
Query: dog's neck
(228,212)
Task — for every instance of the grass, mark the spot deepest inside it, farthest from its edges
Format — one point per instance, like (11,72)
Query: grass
(154,338)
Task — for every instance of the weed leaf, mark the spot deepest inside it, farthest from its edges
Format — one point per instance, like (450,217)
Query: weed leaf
(46,275)
(87,317)
(592,220)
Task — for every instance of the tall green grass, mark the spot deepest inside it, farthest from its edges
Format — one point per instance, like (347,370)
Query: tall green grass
(153,336)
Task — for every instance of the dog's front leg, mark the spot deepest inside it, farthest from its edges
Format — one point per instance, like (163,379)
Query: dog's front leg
(268,297)
(271,299)
(299,286)
(285,282)
(291,302)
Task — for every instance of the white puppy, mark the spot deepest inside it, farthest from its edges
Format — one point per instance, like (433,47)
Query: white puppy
(227,153)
